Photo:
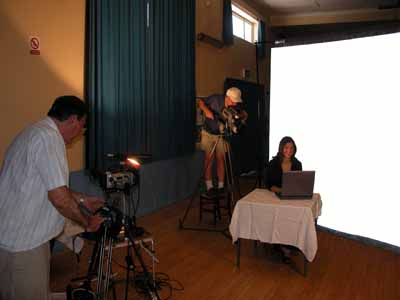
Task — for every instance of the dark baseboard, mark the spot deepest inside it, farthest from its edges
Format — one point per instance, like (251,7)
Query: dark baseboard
(362,239)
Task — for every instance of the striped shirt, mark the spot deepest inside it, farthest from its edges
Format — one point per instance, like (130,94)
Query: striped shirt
(34,164)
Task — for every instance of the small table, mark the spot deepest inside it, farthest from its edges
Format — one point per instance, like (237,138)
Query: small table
(262,216)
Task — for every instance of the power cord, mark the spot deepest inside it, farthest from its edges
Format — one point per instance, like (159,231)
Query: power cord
(162,280)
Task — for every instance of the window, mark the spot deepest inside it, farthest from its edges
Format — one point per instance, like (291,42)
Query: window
(244,25)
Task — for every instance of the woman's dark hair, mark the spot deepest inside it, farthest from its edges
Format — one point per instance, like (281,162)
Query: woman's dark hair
(66,106)
(285,140)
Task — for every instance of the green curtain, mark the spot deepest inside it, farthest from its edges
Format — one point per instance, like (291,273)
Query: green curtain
(170,76)
(139,78)
(227,26)
(261,45)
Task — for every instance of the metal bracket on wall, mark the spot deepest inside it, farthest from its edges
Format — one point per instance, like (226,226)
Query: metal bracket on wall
(210,40)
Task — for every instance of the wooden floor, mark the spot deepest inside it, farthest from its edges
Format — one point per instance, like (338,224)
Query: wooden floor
(204,263)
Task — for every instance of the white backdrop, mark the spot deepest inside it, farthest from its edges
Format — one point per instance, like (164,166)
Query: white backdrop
(340,101)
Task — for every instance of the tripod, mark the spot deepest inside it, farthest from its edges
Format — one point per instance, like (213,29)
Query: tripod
(108,237)
(104,238)
(230,184)
(114,221)
(148,280)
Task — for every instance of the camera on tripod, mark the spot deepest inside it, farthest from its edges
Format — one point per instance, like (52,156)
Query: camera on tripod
(122,175)
(230,120)
(120,183)
(119,180)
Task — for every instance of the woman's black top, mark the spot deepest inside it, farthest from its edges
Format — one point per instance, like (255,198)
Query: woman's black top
(273,172)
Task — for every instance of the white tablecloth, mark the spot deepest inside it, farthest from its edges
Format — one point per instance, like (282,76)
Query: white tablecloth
(69,236)
(262,216)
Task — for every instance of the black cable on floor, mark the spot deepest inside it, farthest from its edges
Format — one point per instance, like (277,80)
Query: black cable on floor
(162,281)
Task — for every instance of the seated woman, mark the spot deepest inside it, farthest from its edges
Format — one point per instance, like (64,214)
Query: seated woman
(284,161)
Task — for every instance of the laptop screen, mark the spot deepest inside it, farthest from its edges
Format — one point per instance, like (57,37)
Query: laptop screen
(298,184)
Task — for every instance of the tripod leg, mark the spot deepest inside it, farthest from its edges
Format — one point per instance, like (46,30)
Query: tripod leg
(93,263)
(129,264)
(209,160)
(182,221)
(229,177)
(233,178)
(150,285)
(94,258)
(108,271)
(101,262)
(114,292)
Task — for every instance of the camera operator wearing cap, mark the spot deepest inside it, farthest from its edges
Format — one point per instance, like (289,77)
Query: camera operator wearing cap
(212,108)
(35,200)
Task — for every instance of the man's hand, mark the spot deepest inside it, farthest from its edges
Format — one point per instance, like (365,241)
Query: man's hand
(93,203)
(208,113)
(67,204)
(94,223)
(244,115)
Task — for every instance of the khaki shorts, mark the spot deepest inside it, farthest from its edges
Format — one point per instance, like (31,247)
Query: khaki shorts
(208,141)
(25,275)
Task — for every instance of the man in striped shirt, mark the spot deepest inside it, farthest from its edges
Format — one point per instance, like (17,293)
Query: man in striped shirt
(35,199)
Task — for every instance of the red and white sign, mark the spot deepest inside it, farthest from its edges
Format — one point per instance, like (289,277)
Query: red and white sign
(34,45)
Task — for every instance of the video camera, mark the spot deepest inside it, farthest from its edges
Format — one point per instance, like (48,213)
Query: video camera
(231,120)
(119,180)
(121,174)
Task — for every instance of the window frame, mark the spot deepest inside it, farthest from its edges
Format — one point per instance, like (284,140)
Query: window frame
(253,22)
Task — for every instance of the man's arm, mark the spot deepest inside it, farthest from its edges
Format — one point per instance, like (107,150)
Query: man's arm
(64,201)
(90,202)
(207,112)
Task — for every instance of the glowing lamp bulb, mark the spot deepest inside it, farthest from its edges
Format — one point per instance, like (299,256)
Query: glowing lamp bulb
(133,162)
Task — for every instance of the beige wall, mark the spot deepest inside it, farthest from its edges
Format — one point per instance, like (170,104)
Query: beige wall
(213,65)
(30,83)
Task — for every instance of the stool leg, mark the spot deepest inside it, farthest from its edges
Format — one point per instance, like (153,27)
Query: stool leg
(229,206)
(215,212)
(201,209)
(218,209)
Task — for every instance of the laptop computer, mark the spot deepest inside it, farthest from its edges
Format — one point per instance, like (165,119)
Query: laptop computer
(297,185)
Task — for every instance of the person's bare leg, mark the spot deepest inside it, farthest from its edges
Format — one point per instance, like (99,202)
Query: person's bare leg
(221,167)
(208,160)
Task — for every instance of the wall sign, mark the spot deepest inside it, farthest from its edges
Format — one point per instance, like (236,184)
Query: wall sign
(34,45)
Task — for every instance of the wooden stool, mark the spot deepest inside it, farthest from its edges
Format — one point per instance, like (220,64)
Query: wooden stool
(210,202)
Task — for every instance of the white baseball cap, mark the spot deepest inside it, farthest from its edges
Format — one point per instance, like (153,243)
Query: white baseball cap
(235,94)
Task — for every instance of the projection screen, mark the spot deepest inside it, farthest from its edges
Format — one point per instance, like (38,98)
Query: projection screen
(340,103)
